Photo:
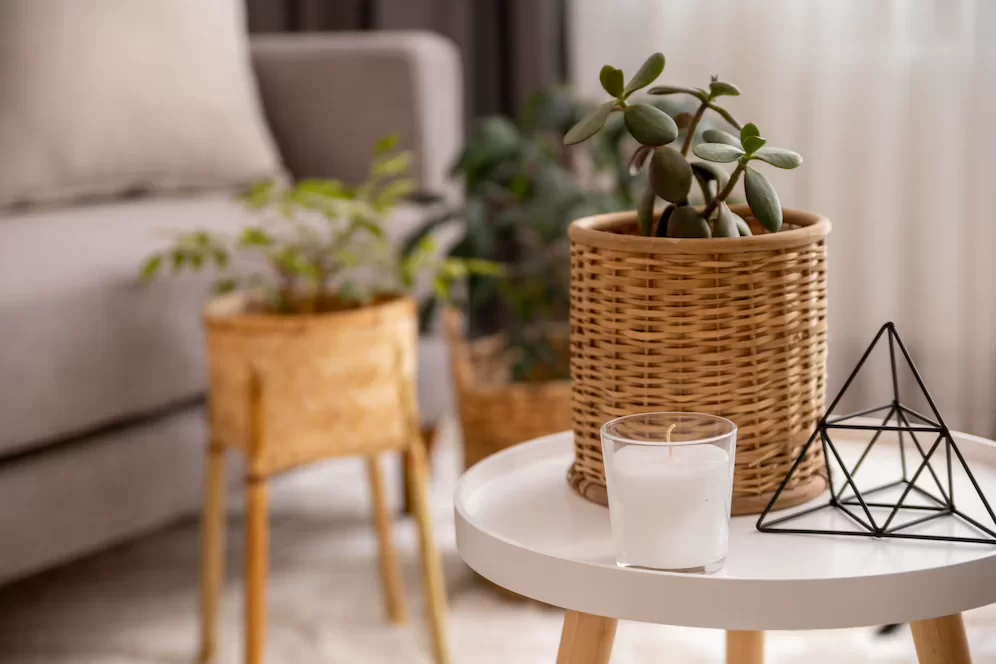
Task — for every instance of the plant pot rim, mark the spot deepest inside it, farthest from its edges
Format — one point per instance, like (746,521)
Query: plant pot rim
(229,311)
(604,231)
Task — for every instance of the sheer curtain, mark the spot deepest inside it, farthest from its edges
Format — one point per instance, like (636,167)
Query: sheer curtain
(893,105)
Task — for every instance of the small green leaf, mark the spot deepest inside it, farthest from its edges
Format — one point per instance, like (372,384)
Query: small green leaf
(223,286)
(753,143)
(151,267)
(718,152)
(662,224)
(720,136)
(386,144)
(726,222)
(670,174)
(649,125)
(646,75)
(779,158)
(645,212)
(743,227)
(750,129)
(721,89)
(612,80)
(179,259)
(221,257)
(259,195)
(687,222)
(589,124)
(398,164)
(674,90)
(484,268)
(763,200)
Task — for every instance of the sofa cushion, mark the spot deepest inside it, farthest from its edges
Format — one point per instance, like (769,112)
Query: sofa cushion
(111,96)
(84,343)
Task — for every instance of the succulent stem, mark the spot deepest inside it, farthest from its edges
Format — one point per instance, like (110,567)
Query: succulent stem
(727,190)
(690,131)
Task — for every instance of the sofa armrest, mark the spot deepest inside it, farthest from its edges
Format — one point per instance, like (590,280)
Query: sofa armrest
(328,97)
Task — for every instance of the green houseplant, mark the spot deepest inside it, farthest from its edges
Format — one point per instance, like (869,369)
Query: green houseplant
(699,305)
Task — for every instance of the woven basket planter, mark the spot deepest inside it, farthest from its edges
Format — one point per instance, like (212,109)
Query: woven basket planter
(733,327)
(341,381)
(494,412)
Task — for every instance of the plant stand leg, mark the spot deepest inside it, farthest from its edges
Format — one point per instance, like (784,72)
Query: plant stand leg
(941,641)
(257,552)
(744,647)
(212,549)
(586,639)
(390,567)
(429,440)
(435,587)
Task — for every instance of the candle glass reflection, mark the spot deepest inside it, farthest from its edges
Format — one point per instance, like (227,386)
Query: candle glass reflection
(670,484)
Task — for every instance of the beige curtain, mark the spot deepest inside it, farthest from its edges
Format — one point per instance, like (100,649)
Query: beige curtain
(893,105)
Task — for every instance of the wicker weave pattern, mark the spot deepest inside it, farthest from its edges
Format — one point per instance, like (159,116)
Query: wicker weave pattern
(332,385)
(494,413)
(735,328)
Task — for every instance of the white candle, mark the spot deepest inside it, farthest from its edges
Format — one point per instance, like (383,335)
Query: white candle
(670,506)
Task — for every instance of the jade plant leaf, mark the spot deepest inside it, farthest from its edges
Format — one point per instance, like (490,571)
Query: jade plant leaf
(649,125)
(779,158)
(753,143)
(639,158)
(612,80)
(718,152)
(763,200)
(589,124)
(686,222)
(721,89)
(673,90)
(645,213)
(726,222)
(720,136)
(670,174)
(664,220)
(743,227)
(647,74)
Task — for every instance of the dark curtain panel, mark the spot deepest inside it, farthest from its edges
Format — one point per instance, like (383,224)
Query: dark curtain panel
(510,48)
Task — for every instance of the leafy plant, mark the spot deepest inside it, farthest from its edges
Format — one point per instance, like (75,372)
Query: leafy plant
(320,245)
(521,189)
(670,172)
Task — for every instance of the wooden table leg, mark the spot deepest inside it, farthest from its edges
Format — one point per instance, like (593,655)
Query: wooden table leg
(429,440)
(586,639)
(212,549)
(941,641)
(744,647)
(257,552)
(435,585)
(390,567)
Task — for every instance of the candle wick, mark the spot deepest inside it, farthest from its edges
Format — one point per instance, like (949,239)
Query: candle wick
(670,450)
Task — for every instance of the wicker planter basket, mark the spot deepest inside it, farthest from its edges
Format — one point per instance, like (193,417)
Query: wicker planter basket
(348,375)
(733,327)
(495,413)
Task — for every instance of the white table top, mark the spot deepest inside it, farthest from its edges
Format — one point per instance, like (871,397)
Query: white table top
(521,526)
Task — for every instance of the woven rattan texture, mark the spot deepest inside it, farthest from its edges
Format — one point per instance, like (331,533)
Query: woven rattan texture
(331,385)
(737,329)
(495,413)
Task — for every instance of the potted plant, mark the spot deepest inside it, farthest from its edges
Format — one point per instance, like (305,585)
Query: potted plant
(312,352)
(521,189)
(712,308)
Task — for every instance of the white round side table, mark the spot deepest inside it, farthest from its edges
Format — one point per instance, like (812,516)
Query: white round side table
(519,525)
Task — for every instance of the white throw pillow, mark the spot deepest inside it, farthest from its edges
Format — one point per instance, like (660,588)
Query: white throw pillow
(106,97)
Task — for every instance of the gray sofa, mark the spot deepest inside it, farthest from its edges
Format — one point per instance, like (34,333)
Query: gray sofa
(101,412)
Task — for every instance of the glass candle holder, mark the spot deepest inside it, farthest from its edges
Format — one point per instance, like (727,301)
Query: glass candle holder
(670,483)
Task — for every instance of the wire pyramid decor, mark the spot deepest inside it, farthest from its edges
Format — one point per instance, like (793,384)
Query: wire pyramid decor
(922,439)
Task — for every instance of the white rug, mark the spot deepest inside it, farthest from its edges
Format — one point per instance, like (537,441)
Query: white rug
(138,603)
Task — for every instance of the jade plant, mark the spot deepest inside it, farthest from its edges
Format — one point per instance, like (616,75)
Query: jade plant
(320,245)
(671,172)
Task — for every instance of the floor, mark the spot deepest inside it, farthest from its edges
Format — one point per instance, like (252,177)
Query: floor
(138,603)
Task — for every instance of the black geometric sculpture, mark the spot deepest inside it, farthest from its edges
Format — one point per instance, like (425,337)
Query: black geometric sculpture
(858,505)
